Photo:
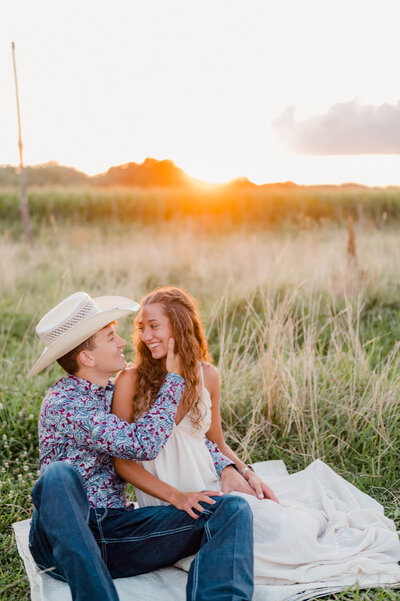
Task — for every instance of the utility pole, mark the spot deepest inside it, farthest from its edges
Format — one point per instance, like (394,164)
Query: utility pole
(23,207)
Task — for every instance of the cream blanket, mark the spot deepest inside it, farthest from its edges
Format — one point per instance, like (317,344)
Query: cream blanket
(379,568)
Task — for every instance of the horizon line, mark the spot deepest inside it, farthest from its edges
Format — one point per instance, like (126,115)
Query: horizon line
(197,181)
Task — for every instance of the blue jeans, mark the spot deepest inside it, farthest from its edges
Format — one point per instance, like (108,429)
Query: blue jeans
(88,547)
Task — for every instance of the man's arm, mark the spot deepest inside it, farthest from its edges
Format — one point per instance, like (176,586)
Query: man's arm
(105,432)
(220,460)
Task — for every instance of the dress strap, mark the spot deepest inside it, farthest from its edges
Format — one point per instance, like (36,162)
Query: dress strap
(201,374)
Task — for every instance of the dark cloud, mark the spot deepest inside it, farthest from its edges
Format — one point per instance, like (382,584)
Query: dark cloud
(347,128)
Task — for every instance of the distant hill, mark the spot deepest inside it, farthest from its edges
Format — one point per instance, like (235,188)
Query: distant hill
(152,173)
(48,174)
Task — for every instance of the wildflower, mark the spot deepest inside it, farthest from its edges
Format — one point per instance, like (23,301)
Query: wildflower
(31,416)
(19,476)
(1,406)
(21,413)
(6,464)
(26,468)
(4,436)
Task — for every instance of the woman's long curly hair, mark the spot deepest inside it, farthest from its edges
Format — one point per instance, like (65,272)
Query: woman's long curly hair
(190,343)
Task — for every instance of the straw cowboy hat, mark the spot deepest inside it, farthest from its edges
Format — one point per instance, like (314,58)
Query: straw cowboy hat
(74,320)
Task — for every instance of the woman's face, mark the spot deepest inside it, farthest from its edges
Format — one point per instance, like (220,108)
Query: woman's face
(155,330)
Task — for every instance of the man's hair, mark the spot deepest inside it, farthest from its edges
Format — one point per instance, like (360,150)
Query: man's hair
(69,362)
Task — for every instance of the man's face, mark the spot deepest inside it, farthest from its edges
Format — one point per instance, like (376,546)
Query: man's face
(107,354)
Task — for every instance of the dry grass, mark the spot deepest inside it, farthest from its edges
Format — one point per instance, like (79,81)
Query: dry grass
(135,259)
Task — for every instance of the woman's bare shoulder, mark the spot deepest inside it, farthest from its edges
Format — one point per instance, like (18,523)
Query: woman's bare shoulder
(126,379)
(211,375)
(125,390)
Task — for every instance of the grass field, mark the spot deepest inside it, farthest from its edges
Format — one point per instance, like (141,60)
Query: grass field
(306,339)
(215,208)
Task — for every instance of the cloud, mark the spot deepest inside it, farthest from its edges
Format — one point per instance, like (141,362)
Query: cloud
(346,128)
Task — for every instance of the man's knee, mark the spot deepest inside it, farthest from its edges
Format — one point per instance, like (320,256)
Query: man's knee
(60,471)
(234,505)
(55,477)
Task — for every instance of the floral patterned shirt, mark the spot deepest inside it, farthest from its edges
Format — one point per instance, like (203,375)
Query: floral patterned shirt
(75,425)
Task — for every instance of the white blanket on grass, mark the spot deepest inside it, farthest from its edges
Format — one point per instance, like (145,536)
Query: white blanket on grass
(169,584)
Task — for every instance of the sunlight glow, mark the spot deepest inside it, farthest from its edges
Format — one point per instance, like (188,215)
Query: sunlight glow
(200,84)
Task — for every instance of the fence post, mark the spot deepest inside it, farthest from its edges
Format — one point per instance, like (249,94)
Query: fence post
(23,207)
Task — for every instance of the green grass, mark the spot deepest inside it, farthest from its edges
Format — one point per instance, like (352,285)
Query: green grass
(213,208)
(307,345)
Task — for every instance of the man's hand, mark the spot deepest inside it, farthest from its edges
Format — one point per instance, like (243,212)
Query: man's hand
(187,501)
(173,359)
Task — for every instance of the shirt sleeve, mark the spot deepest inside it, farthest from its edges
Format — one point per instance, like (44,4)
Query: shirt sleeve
(105,432)
(220,460)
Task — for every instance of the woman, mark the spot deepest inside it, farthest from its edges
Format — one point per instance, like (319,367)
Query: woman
(322,530)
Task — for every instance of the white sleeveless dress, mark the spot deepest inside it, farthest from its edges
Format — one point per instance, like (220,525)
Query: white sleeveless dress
(323,531)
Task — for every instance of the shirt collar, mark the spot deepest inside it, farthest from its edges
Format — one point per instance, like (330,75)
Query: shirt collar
(95,389)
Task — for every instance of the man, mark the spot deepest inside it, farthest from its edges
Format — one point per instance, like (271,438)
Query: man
(82,525)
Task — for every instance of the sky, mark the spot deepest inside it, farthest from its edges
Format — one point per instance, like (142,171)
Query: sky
(273,90)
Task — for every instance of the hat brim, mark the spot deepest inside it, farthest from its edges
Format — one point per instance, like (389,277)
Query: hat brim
(113,308)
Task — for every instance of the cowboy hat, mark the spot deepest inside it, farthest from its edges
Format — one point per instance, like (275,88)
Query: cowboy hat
(74,320)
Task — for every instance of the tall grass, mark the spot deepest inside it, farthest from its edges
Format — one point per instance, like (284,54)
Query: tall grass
(214,208)
(306,343)
(310,383)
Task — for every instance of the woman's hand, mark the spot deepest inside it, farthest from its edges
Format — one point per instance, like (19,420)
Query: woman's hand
(173,359)
(262,491)
(232,480)
(250,483)
(187,501)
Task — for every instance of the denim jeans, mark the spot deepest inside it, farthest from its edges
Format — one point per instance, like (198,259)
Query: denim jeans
(88,547)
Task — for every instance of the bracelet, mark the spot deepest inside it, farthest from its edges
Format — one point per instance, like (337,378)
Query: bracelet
(245,469)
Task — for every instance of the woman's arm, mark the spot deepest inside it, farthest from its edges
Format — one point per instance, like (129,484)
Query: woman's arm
(213,385)
(254,483)
(125,387)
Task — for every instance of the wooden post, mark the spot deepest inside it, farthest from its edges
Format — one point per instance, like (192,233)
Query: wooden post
(23,207)
(352,260)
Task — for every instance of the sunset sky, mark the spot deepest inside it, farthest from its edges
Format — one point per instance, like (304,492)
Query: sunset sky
(301,90)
